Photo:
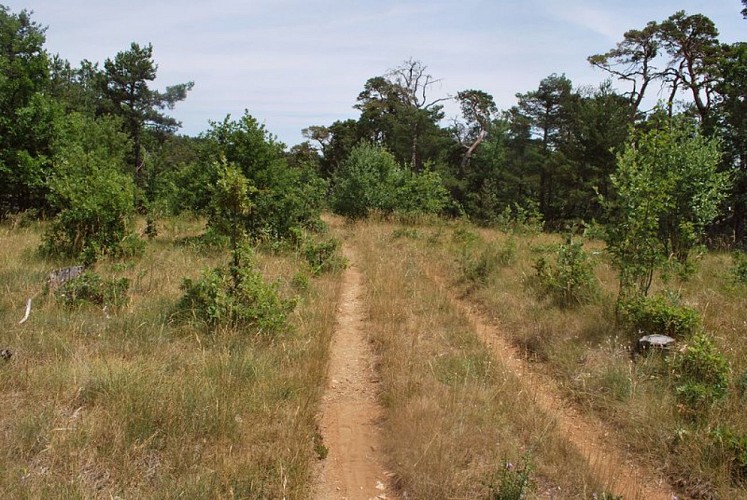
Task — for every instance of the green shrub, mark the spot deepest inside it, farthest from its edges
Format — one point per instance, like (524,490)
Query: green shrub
(282,197)
(735,446)
(370,180)
(421,193)
(739,267)
(324,256)
(216,299)
(658,315)
(701,375)
(89,189)
(511,482)
(520,219)
(89,287)
(570,281)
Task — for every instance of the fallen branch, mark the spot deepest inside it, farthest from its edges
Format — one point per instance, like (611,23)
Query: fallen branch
(28,312)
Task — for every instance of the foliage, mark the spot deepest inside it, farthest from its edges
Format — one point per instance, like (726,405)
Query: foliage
(27,113)
(667,190)
(323,256)
(658,315)
(125,91)
(421,192)
(370,180)
(93,196)
(366,181)
(89,287)
(570,281)
(701,375)
(230,210)
(217,299)
(520,219)
(735,444)
(739,267)
(511,482)
(285,198)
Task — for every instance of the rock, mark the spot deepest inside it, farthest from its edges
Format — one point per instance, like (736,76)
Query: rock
(60,276)
(657,342)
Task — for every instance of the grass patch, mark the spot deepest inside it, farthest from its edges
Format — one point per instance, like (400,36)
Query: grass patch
(130,404)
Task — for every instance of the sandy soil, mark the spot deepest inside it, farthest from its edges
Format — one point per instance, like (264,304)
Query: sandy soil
(353,468)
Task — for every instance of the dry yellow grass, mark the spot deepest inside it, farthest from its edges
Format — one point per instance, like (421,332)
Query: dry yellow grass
(454,415)
(588,354)
(136,406)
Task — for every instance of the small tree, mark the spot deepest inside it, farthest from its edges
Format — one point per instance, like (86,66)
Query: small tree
(285,197)
(667,190)
(93,196)
(370,179)
(230,209)
(366,181)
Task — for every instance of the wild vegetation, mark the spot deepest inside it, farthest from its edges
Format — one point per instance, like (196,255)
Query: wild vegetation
(189,357)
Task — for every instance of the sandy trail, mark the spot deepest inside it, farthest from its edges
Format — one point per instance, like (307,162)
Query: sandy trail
(609,464)
(353,468)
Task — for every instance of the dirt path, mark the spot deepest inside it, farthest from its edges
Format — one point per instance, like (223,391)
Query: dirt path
(353,468)
(610,464)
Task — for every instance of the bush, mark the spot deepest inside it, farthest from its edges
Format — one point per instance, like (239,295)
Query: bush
(739,267)
(701,375)
(324,256)
(511,482)
(571,280)
(658,315)
(216,299)
(520,219)
(93,196)
(89,287)
(735,446)
(370,180)
(282,197)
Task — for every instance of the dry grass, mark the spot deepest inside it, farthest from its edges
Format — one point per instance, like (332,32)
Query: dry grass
(589,355)
(454,415)
(136,406)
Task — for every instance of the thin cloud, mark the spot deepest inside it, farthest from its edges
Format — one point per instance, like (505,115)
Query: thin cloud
(295,63)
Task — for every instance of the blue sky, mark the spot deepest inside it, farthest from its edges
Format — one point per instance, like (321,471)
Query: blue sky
(296,63)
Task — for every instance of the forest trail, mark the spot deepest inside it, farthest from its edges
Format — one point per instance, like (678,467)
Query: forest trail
(353,468)
(610,464)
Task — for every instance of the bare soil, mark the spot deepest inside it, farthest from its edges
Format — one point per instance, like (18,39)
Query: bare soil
(349,424)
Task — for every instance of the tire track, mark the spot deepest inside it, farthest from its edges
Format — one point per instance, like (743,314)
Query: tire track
(610,465)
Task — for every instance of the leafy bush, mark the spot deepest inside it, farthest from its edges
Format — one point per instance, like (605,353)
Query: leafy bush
(421,193)
(739,267)
(89,287)
(216,299)
(323,256)
(93,195)
(659,315)
(371,180)
(520,219)
(511,482)
(701,374)
(667,190)
(571,280)
(284,197)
